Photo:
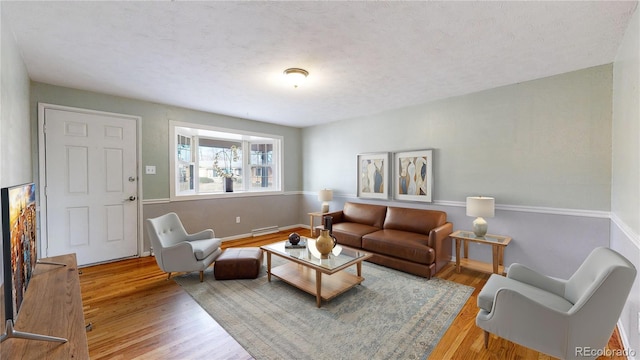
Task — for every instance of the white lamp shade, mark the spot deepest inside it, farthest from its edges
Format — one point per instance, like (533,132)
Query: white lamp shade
(325,195)
(480,206)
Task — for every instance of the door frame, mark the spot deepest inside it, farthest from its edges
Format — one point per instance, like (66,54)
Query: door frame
(43,243)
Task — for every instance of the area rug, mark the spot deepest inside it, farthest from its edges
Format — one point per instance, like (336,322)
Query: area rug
(391,315)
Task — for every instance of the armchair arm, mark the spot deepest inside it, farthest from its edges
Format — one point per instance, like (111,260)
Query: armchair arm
(178,257)
(201,235)
(529,276)
(526,321)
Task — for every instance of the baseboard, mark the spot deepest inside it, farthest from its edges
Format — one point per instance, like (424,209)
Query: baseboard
(294,227)
(246,235)
(235,237)
(631,353)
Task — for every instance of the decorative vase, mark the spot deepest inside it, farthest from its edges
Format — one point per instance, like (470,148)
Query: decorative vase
(325,243)
(228,184)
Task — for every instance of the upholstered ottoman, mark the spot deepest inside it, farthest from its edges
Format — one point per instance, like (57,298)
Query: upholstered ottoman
(238,263)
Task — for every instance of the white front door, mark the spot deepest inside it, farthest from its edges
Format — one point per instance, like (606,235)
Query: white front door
(90,185)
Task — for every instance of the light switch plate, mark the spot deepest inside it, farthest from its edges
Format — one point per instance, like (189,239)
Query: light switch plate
(150,170)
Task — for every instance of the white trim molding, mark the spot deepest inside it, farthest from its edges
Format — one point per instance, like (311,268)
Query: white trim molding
(536,209)
(628,232)
(236,195)
(521,208)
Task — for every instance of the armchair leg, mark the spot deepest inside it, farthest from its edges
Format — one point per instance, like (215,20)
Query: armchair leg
(168,275)
(201,276)
(486,339)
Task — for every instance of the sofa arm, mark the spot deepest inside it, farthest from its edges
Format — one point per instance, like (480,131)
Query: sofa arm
(336,215)
(440,242)
(440,234)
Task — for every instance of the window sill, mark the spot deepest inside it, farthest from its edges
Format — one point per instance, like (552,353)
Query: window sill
(225,195)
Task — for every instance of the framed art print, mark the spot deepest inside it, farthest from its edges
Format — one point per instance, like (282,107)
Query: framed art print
(373,175)
(413,175)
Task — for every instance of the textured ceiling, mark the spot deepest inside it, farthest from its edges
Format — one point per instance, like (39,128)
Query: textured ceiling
(363,57)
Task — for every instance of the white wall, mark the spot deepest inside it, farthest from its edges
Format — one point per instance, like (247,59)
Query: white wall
(15,129)
(625,190)
(542,148)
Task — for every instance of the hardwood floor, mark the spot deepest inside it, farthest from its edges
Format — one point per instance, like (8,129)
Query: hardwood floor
(136,313)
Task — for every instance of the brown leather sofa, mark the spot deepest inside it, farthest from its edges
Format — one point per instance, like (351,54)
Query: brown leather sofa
(415,241)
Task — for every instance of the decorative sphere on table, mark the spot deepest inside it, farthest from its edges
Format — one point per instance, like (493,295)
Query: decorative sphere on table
(294,238)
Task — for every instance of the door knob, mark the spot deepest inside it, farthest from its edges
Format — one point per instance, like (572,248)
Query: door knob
(132,198)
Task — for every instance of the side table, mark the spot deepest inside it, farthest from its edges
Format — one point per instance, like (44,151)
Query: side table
(311,216)
(498,244)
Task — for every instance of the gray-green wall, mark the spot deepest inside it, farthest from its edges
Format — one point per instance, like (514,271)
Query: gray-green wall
(542,148)
(256,212)
(544,143)
(155,130)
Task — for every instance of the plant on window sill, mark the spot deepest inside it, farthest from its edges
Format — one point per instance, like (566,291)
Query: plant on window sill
(228,157)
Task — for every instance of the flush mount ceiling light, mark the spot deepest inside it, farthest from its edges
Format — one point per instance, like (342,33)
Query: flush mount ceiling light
(296,76)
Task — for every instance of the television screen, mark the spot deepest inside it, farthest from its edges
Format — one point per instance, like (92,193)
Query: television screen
(19,228)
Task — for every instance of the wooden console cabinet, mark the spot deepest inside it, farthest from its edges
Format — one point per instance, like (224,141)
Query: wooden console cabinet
(53,307)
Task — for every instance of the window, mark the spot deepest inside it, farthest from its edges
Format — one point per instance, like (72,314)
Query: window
(204,156)
(261,165)
(185,163)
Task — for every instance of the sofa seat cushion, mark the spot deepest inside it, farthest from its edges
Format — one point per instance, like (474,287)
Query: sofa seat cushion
(400,244)
(350,234)
(497,282)
(204,248)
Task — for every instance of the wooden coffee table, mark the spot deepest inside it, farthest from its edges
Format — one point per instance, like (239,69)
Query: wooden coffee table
(305,268)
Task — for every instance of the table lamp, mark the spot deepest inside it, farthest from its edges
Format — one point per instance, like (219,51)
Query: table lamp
(480,207)
(325,196)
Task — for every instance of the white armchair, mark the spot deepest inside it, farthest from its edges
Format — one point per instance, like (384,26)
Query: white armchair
(177,251)
(561,318)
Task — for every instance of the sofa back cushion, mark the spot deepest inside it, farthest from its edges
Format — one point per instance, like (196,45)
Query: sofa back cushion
(414,220)
(372,215)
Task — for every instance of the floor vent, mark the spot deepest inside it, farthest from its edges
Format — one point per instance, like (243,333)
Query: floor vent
(265,231)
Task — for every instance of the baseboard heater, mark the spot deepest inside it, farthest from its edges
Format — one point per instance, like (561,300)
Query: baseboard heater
(265,231)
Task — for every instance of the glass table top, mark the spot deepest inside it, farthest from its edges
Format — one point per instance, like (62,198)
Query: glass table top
(339,257)
(469,235)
